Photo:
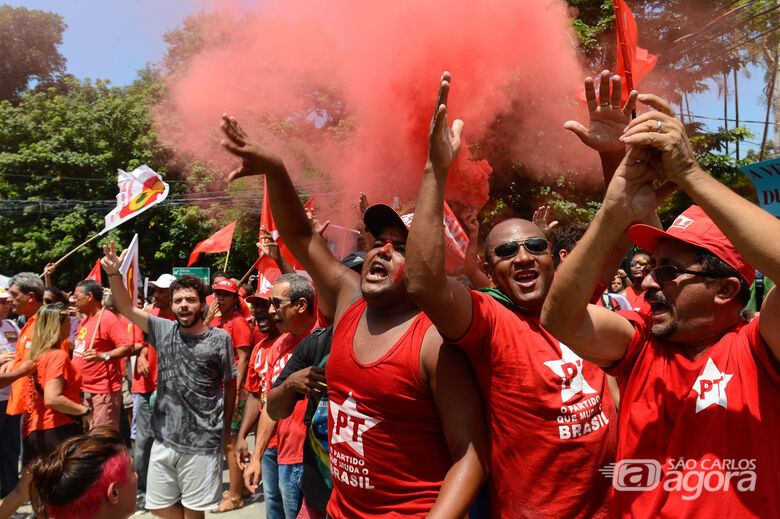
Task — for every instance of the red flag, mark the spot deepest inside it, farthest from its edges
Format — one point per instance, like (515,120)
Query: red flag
(95,273)
(220,241)
(267,221)
(267,272)
(633,62)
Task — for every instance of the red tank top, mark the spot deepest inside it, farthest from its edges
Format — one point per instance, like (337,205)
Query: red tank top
(387,452)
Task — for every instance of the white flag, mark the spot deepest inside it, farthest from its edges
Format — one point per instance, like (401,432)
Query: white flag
(138,191)
(131,273)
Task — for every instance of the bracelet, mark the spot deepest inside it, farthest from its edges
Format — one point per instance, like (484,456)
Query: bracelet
(87,412)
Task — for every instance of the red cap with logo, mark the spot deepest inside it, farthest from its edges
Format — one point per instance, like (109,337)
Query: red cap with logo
(227,285)
(694,227)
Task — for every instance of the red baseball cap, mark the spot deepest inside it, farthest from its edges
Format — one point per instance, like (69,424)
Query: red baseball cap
(694,227)
(227,285)
(253,299)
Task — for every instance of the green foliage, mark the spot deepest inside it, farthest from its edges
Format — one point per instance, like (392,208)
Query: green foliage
(28,44)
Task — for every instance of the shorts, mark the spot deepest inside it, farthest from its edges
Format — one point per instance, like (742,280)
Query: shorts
(43,443)
(173,476)
(105,408)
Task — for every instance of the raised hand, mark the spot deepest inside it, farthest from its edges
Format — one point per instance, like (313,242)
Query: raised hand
(470,223)
(661,130)
(318,227)
(607,118)
(111,262)
(542,217)
(443,141)
(256,159)
(632,194)
(268,246)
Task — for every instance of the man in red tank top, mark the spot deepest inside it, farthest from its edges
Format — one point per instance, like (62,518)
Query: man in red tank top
(381,464)
(699,388)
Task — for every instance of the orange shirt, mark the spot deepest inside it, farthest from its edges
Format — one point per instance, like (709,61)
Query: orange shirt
(16,402)
(38,416)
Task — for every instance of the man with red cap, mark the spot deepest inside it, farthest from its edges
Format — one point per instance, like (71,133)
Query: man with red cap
(233,322)
(699,388)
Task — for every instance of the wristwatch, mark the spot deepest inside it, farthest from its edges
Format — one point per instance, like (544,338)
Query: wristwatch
(87,412)
(106,357)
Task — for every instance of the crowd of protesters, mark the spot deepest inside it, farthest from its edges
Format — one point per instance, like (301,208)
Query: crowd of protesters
(573,371)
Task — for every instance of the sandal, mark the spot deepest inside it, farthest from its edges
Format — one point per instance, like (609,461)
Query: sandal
(228,504)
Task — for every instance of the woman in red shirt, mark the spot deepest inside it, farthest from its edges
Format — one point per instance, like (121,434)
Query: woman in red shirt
(53,388)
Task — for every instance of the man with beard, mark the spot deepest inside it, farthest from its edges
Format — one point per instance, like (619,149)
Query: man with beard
(145,380)
(230,319)
(191,418)
(549,414)
(394,389)
(700,389)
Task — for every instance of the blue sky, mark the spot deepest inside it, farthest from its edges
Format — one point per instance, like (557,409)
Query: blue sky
(113,39)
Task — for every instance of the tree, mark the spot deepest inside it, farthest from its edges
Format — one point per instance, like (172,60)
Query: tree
(28,44)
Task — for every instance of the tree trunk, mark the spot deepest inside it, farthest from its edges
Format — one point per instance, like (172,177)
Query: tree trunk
(773,81)
(736,108)
(726,106)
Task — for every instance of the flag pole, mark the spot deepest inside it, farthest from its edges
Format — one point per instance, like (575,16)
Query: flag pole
(241,282)
(226,261)
(74,250)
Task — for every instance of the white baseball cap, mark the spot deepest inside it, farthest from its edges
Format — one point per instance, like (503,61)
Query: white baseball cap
(4,293)
(164,281)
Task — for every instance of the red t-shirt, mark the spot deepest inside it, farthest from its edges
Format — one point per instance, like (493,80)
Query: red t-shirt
(148,383)
(632,295)
(18,397)
(238,329)
(701,434)
(100,376)
(258,336)
(388,455)
(50,365)
(255,377)
(550,416)
(290,431)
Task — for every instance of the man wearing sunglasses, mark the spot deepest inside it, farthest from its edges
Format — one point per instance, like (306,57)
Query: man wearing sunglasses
(700,389)
(549,414)
(292,307)
(406,433)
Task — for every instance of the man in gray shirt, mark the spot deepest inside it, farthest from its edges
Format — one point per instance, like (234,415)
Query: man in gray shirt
(191,417)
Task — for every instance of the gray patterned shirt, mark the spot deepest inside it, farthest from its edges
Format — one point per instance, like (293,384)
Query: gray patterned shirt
(189,407)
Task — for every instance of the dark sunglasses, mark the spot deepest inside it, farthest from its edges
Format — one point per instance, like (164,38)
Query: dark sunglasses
(532,245)
(276,302)
(667,273)
(640,263)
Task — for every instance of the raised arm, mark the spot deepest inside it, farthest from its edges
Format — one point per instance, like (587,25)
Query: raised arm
(444,300)
(475,274)
(111,264)
(268,246)
(339,285)
(745,224)
(595,333)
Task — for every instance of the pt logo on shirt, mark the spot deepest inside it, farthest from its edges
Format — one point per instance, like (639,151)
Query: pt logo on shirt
(711,387)
(569,368)
(349,424)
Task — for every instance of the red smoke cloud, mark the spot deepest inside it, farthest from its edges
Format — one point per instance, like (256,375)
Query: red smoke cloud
(347,88)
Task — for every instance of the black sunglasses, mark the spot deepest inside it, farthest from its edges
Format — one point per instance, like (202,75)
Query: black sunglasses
(532,245)
(667,273)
